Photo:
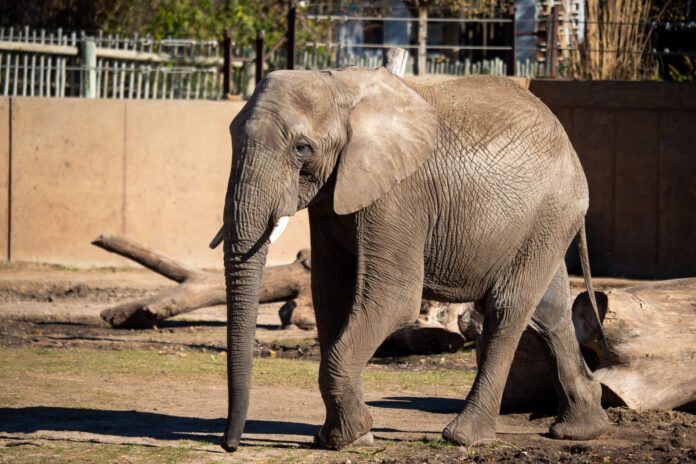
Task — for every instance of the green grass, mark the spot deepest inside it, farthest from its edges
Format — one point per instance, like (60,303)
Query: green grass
(24,364)
(40,451)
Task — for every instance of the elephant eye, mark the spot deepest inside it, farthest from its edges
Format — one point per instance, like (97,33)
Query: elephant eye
(303,148)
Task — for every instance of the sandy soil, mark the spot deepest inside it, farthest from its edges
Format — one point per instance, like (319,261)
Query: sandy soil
(48,307)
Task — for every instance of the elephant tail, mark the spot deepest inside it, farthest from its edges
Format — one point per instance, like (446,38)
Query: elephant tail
(581,241)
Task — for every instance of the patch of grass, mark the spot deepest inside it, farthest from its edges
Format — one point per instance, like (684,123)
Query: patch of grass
(94,453)
(453,380)
(301,342)
(33,371)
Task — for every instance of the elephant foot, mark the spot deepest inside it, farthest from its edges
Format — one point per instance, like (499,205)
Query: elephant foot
(584,418)
(467,429)
(583,425)
(351,429)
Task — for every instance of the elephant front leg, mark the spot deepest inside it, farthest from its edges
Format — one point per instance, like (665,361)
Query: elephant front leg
(373,318)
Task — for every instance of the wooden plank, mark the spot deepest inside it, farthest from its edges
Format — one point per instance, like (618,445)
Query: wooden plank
(593,138)
(677,188)
(636,194)
(616,94)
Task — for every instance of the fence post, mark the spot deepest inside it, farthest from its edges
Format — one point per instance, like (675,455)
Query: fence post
(290,50)
(260,34)
(88,56)
(511,39)
(227,64)
(422,40)
(552,42)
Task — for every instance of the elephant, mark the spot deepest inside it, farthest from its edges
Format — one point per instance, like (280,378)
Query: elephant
(467,190)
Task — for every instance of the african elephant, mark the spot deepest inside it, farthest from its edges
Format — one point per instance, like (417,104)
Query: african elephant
(467,190)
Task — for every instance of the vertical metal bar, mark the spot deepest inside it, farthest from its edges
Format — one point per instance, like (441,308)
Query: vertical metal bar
(291,50)
(8,64)
(88,51)
(205,85)
(25,60)
(100,77)
(146,89)
(60,70)
(227,63)
(260,34)
(511,40)
(33,68)
(2,74)
(552,42)
(49,69)
(422,40)
(197,89)
(42,64)
(139,83)
(131,80)
(154,82)
(122,80)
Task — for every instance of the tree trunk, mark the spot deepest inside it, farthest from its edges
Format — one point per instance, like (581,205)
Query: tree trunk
(651,330)
(197,288)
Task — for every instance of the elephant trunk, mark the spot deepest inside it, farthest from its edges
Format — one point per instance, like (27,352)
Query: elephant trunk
(243,274)
(249,216)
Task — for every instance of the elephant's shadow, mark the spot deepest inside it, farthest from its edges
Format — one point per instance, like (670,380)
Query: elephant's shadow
(138,424)
(425,404)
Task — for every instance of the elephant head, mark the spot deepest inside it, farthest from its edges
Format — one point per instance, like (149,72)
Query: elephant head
(345,137)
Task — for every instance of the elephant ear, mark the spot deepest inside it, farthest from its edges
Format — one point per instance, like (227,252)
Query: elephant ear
(392,132)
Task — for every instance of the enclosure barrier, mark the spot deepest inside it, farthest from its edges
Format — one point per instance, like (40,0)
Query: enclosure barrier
(156,171)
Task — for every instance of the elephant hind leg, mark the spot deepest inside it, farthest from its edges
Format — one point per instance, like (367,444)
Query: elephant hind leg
(581,416)
(509,307)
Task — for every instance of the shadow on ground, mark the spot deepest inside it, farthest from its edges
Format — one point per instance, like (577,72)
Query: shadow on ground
(425,404)
(135,424)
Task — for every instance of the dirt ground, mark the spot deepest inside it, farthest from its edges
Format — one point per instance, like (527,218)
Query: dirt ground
(75,390)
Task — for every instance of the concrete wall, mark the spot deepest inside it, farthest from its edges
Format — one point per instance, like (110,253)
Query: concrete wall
(157,171)
(637,143)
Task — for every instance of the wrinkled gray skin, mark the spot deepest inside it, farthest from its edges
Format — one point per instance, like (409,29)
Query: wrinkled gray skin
(462,191)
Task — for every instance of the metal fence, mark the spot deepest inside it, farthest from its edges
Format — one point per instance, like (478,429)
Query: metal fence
(58,64)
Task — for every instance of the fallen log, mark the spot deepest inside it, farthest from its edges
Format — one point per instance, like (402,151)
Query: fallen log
(440,327)
(196,289)
(651,330)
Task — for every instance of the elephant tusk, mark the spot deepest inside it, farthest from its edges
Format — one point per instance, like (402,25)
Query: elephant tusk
(279,228)
(217,239)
